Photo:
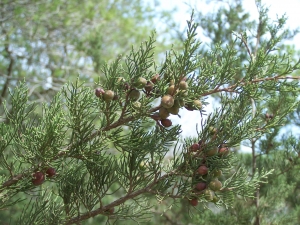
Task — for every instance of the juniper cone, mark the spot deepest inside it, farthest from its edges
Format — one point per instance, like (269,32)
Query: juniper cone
(167,101)
(194,202)
(108,95)
(149,86)
(141,82)
(171,90)
(194,147)
(38,178)
(215,185)
(202,170)
(201,186)
(183,85)
(163,113)
(155,78)
(197,104)
(174,110)
(208,195)
(51,172)
(166,122)
(99,92)
(211,152)
(97,145)
(134,95)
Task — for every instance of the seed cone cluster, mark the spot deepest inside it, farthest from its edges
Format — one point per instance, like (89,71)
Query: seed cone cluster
(171,101)
(207,179)
(39,177)
(174,99)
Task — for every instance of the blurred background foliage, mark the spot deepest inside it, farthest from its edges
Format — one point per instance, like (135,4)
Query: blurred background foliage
(50,42)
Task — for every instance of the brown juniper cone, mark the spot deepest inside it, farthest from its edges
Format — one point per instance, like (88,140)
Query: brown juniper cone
(155,78)
(99,92)
(167,101)
(195,147)
(202,170)
(166,122)
(140,83)
(201,186)
(223,151)
(50,172)
(149,86)
(171,90)
(194,202)
(183,85)
(38,178)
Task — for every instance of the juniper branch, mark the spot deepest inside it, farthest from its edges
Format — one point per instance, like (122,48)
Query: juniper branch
(240,84)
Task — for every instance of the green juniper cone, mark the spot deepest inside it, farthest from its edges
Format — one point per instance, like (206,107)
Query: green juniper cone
(111,157)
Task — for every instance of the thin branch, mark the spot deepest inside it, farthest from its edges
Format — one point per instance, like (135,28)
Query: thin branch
(9,72)
(253,141)
(258,31)
(246,45)
(119,201)
(232,87)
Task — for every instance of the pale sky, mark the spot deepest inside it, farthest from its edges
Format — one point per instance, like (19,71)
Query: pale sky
(276,7)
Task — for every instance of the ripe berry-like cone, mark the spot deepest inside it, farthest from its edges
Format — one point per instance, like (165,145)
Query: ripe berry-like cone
(202,170)
(215,185)
(108,95)
(163,113)
(134,95)
(167,101)
(166,122)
